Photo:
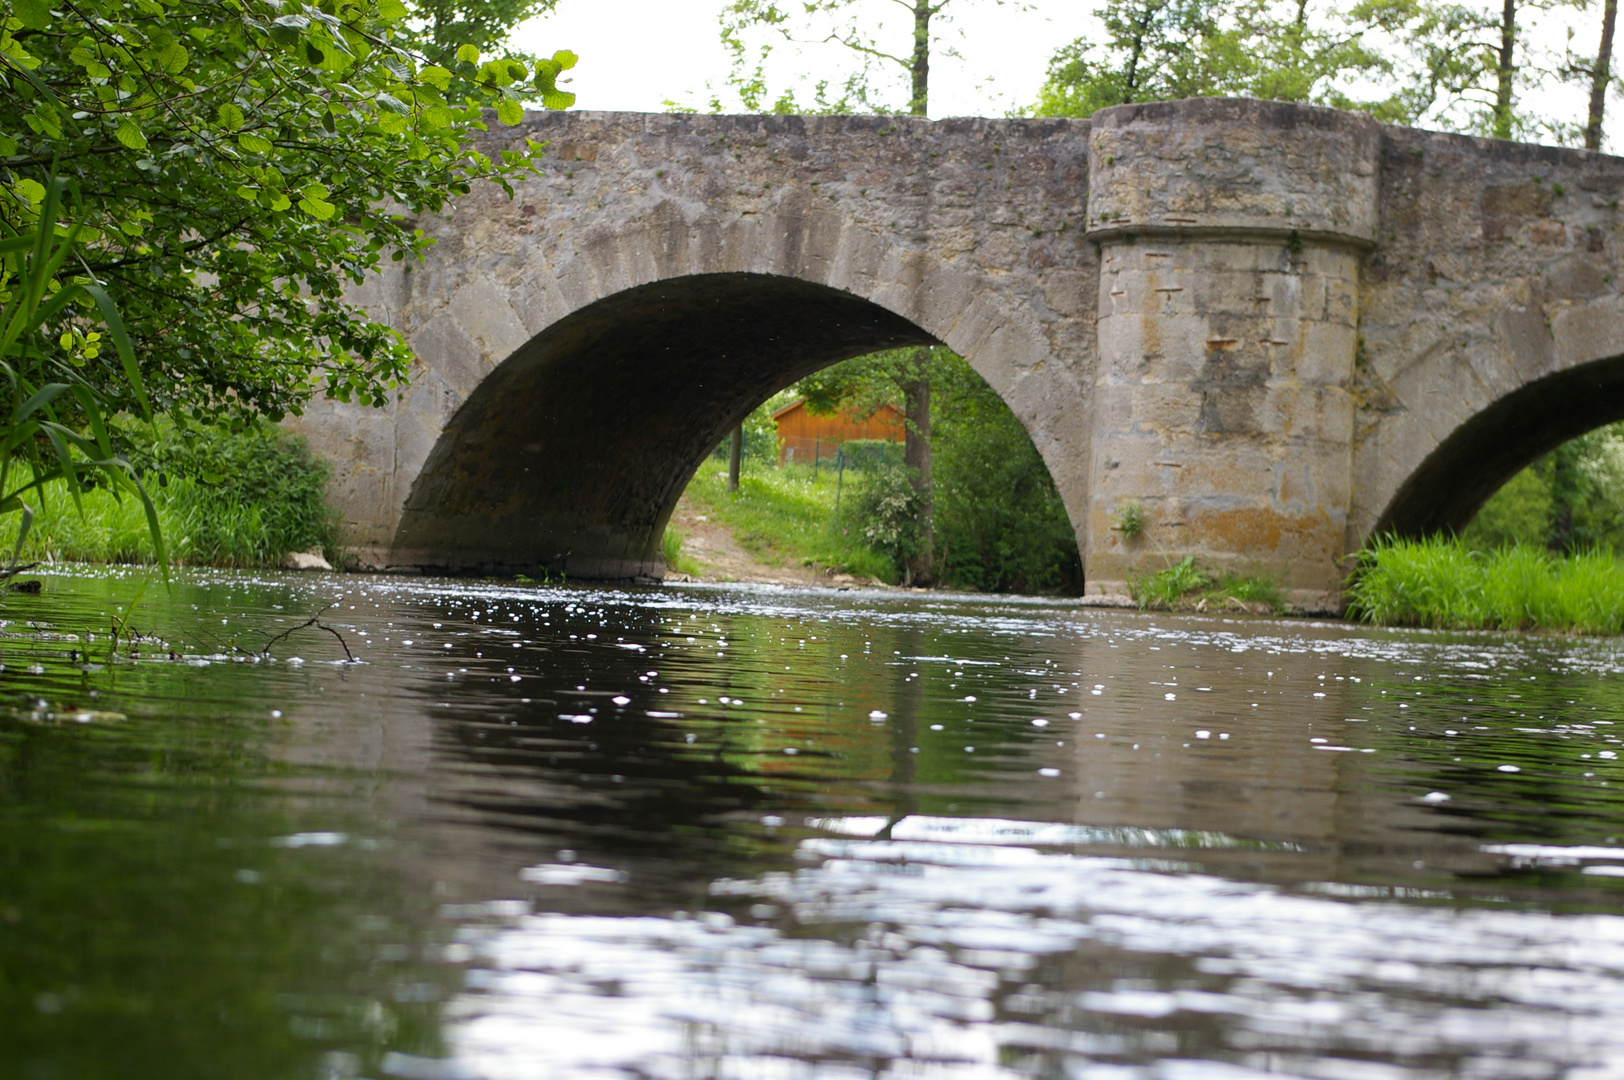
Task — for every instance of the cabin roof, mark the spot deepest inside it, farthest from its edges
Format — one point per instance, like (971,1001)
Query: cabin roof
(800,403)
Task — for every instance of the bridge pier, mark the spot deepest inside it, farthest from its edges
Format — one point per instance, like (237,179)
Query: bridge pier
(1230,237)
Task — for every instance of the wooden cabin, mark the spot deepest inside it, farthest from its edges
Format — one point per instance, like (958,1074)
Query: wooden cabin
(809,439)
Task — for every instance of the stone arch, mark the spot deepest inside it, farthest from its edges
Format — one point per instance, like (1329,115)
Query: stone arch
(1550,383)
(566,449)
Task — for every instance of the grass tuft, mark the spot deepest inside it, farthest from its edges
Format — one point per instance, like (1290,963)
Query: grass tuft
(675,561)
(1165,588)
(1444,584)
(1185,586)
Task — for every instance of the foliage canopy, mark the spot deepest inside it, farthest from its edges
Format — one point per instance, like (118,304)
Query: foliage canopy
(235,164)
(441,27)
(1157,50)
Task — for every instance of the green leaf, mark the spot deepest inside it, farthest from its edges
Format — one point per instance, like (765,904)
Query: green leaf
(42,398)
(287,30)
(90,62)
(318,209)
(392,103)
(231,117)
(253,143)
(173,58)
(436,76)
(130,135)
(468,54)
(547,72)
(121,339)
(247,194)
(32,190)
(565,59)
(392,10)
(35,14)
(509,111)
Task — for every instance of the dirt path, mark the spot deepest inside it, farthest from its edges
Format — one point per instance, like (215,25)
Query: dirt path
(710,544)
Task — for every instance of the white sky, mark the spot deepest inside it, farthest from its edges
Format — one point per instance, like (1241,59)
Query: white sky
(637,54)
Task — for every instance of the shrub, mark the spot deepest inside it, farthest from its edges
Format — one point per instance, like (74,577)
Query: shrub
(224,498)
(886,512)
(1000,523)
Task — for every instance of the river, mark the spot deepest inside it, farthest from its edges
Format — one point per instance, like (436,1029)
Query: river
(681,832)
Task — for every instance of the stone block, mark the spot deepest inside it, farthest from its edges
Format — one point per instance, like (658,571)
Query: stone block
(1325,353)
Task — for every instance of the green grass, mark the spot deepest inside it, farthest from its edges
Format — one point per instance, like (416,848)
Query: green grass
(675,561)
(787,516)
(201,526)
(243,497)
(1184,585)
(1445,584)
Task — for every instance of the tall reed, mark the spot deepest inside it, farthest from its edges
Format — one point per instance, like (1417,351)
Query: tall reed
(201,526)
(1442,583)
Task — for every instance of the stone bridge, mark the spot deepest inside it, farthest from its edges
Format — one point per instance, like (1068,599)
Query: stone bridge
(1278,329)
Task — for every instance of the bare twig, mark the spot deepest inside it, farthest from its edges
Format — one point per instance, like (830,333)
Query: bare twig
(313,621)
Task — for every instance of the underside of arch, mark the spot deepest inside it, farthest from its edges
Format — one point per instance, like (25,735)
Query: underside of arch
(570,456)
(1469,466)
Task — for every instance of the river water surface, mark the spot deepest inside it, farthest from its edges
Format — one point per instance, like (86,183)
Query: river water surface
(690,832)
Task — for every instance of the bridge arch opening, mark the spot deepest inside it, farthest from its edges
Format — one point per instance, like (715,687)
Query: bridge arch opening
(1475,460)
(569,457)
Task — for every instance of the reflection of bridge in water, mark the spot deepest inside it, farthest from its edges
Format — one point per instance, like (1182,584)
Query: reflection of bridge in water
(1277,328)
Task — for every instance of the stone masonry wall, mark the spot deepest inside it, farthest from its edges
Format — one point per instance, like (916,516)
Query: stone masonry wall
(1274,328)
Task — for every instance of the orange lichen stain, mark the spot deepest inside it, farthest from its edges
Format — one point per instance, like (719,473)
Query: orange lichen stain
(1257,530)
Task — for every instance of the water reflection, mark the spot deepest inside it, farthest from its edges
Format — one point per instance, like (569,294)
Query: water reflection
(690,832)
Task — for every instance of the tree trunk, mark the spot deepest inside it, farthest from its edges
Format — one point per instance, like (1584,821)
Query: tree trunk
(735,451)
(1565,483)
(1130,81)
(1601,75)
(920,68)
(916,456)
(1505,70)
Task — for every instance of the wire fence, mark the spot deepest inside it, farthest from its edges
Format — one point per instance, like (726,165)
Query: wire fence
(849,453)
